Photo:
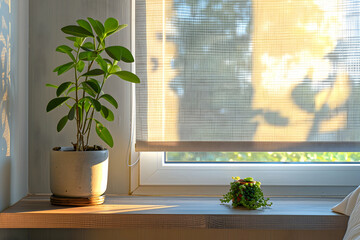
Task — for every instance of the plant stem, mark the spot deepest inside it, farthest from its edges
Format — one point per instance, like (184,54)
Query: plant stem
(92,113)
(76,102)
(83,123)
(97,98)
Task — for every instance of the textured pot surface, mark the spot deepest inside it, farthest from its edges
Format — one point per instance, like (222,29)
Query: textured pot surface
(78,174)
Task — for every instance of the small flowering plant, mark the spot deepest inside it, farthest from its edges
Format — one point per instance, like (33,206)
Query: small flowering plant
(245,192)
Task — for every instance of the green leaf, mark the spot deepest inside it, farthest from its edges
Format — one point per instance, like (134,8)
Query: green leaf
(80,66)
(88,46)
(98,28)
(77,45)
(120,53)
(87,56)
(71,56)
(84,24)
(77,41)
(85,103)
(87,106)
(93,85)
(58,67)
(73,39)
(115,69)
(128,76)
(64,68)
(81,100)
(71,113)
(108,61)
(107,113)
(111,116)
(62,88)
(64,49)
(110,99)
(104,134)
(118,29)
(111,24)
(88,90)
(94,72)
(80,40)
(101,41)
(102,63)
(95,82)
(61,124)
(80,112)
(77,31)
(67,50)
(51,85)
(72,89)
(104,111)
(95,103)
(55,103)
(101,26)
(122,26)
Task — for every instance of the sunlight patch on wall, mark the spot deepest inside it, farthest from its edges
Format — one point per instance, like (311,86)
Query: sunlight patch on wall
(5,70)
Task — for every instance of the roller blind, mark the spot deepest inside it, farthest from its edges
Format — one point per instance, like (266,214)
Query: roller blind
(242,75)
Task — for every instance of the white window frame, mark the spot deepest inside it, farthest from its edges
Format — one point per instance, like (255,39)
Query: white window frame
(154,171)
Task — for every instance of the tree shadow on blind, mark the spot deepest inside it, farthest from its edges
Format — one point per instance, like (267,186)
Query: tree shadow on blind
(214,64)
(249,69)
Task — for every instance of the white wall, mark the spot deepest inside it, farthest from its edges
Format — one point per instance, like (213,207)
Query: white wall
(13,101)
(47,17)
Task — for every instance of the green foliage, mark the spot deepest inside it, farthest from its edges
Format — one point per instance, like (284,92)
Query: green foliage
(247,193)
(104,134)
(61,124)
(62,88)
(51,85)
(64,68)
(110,99)
(128,76)
(77,31)
(119,53)
(56,102)
(111,24)
(83,95)
(273,157)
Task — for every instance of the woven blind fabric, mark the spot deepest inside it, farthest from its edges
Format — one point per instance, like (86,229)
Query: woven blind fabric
(260,75)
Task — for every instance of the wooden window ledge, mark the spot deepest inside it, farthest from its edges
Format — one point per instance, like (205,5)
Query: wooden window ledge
(128,212)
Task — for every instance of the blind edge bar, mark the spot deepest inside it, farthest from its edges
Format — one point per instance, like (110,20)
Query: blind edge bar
(233,146)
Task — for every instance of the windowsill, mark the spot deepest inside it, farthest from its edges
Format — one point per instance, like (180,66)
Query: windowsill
(123,212)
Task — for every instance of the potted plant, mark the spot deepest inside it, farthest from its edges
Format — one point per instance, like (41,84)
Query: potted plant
(80,171)
(247,193)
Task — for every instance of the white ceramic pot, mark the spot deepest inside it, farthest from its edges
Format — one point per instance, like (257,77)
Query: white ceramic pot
(78,173)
